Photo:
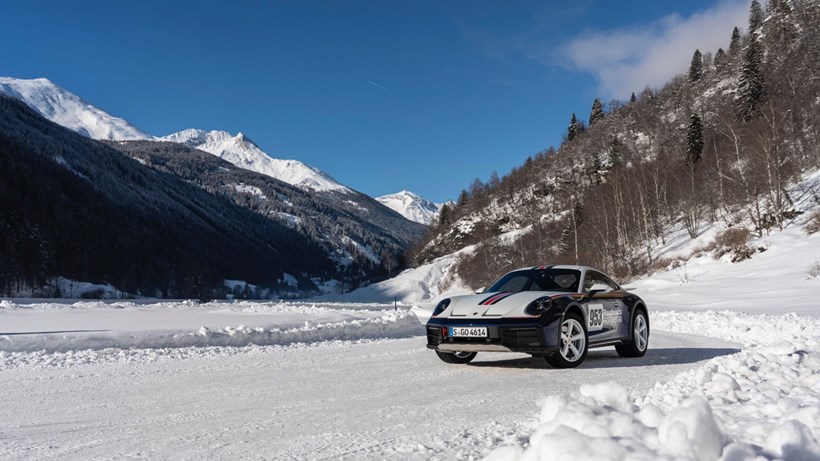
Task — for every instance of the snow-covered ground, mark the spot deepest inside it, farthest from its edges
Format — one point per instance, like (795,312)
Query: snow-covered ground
(775,281)
(329,391)
(354,381)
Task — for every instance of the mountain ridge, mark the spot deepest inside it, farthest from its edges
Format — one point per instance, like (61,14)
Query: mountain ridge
(69,110)
(412,206)
(243,152)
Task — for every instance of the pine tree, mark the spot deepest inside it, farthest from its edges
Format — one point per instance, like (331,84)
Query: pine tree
(633,98)
(755,18)
(696,67)
(694,140)
(750,89)
(463,198)
(597,112)
(720,59)
(443,215)
(574,129)
(734,45)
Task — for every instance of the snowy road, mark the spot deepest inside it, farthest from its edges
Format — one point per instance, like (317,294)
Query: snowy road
(330,400)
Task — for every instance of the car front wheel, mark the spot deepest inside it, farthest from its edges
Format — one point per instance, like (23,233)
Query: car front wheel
(640,337)
(573,343)
(456,357)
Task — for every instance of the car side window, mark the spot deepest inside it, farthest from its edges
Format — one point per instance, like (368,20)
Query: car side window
(594,277)
(608,281)
(590,278)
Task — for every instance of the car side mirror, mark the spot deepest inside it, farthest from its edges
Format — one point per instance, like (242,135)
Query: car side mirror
(480,290)
(598,288)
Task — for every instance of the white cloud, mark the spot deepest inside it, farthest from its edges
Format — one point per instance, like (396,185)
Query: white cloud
(628,59)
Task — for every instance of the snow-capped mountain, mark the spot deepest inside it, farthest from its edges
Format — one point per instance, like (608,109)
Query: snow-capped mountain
(242,152)
(69,110)
(411,206)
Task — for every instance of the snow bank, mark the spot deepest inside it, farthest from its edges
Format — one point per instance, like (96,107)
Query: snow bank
(421,285)
(761,403)
(59,335)
(43,351)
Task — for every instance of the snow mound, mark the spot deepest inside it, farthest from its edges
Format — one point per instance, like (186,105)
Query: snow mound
(761,403)
(68,110)
(599,423)
(242,152)
(422,285)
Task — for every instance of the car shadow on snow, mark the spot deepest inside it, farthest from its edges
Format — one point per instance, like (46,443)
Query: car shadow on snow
(608,358)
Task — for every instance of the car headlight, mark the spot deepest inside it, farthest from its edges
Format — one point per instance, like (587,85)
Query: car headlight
(539,306)
(441,306)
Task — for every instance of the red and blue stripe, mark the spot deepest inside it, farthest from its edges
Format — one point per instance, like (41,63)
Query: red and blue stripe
(495,298)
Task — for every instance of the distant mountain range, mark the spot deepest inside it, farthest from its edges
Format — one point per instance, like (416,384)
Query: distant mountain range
(243,153)
(411,206)
(66,109)
(351,237)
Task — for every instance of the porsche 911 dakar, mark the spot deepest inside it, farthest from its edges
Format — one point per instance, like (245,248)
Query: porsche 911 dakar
(555,312)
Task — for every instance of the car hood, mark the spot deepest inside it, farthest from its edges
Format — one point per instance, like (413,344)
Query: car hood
(494,305)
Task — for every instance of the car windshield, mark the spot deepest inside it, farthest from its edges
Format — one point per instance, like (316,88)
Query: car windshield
(563,280)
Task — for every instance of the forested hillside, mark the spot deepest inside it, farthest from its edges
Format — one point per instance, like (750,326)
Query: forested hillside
(77,208)
(364,238)
(720,143)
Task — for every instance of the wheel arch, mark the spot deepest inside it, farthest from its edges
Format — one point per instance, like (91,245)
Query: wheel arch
(576,309)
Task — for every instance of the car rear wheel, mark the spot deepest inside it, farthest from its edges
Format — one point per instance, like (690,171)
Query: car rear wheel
(640,337)
(456,357)
(573,343)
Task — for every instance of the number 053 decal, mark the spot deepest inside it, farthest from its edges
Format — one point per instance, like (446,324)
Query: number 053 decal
(595,317)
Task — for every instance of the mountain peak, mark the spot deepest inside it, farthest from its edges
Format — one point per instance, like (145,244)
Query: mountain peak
(411,205)
(69,110)
(242,152)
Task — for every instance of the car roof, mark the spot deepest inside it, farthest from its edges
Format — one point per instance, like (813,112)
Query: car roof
(556,266)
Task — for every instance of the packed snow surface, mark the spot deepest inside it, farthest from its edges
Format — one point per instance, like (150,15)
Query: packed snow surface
(68,110)
(355,382)
(411,206)
(242,152)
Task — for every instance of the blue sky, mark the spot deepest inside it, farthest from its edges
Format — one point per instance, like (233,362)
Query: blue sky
(381,95)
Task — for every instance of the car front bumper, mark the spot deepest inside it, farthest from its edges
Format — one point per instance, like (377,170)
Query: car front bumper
(502,336)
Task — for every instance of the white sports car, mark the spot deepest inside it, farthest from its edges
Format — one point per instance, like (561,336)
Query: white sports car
(556,312)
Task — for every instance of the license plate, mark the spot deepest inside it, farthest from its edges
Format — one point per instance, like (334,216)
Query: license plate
(468,332)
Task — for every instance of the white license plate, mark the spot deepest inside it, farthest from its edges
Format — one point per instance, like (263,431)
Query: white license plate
(468,332)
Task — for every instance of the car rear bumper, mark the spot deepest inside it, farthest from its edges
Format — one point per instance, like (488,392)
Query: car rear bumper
(530,338)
